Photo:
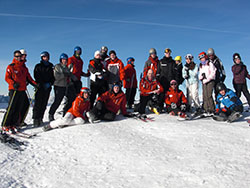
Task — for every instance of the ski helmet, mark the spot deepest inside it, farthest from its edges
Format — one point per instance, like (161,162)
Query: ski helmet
(189,56)
(130,59)
(104,48)
(210,51)
(167,50)
(177,58)
(97,52)
(220,87)
(45,53)
(78,48)
(63,56)
(23,52)
(118,83)
(236,56)
(85,90)
(152,51)
(202,55)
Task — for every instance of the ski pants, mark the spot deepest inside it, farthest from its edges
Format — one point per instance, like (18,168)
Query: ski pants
(59,94)
(13,115)
(68,119)
(242,88)
(207,92)
(153,101)
(101,112)
(193,94)
(130,95)
(25,108)
(41,101)
(70,97)
(97,87)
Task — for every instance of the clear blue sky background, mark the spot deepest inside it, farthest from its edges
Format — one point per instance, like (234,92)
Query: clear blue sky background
(131,27)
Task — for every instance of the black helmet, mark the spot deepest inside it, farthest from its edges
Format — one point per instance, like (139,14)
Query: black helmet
(220,87)
(118,83)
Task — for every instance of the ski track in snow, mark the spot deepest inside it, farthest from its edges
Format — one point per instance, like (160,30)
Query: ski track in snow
(132,153)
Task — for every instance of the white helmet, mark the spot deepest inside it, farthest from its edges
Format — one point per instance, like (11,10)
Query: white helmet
(23,52)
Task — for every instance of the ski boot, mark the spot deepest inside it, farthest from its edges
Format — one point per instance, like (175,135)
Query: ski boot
(47,128)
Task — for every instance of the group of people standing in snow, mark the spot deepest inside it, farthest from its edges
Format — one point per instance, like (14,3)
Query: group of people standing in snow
(159,87)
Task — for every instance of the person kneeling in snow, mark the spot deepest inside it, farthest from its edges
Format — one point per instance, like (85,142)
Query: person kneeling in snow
(76,114)
(229,106)
(176,102)
(108,104)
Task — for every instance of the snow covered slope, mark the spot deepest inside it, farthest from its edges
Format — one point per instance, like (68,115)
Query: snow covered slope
(132,153)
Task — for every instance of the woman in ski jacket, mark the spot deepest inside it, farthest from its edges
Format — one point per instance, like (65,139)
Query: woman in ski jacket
(240,74)
(207,76)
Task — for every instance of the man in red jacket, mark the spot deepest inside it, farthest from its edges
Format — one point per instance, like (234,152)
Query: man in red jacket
(130,82)
(151,63)
(176,102)
(108,104)
(150,90)
(17,76)
(75,65)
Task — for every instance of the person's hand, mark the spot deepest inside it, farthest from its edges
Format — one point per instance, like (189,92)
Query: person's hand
(173,105)
(16,85)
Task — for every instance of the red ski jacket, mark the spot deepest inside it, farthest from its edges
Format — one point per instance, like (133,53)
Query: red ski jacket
(79,106)
(17,72)
(130,80)
(77,65)
(116,69)
(175,96)
(147,87)
(114,102)
(151,64)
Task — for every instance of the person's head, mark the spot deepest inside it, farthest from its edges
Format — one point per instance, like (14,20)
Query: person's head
(45,56)
(167,52)
(112,54)
(150,74)
(236,58)
(130,60)
(85,92)
(210,53)
(104,49)
(221,88)
(173,84)
(189,58)
(177,59)
(97,54)
(203,57)
(152,52)
(23,54)
(17,55)
(116,87)
(63,59)
(77,51)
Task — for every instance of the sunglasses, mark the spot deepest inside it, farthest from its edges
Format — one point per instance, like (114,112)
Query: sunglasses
(17,55)
(173,84)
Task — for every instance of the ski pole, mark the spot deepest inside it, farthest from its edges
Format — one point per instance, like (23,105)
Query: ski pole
(8,110)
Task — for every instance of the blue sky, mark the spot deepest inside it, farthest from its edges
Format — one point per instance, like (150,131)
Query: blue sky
(131,27)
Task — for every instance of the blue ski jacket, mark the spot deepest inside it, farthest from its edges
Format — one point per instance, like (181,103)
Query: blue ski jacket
(226,100)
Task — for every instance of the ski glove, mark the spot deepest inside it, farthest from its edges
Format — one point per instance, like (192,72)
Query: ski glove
(203,76)
(16,85)
(173,105)
(233,99)
(183,107)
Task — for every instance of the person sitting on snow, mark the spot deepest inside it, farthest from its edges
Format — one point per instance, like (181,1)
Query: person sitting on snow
(76,114)
(229,106)
(150,89)
(176,102)
(108,104)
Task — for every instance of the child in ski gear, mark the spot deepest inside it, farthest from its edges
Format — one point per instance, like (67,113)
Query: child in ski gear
(190,74)
(108,104)
(75,65)
(17,75)
(130,81)
(220,74)
(115,69)
(62,79)
(98,82)
(176,102)
(76,114)
(228,104)
(150,90)
(44,76)
(178,70)
(151,63)
(207,76)
(240,74)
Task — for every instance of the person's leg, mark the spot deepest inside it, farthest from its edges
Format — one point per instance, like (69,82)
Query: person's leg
(143,103)
(211,105)
(44,103)
(25,109)
(246,93)
(59,94)
(70,97)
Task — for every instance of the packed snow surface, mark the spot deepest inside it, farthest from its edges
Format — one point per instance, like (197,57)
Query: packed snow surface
(132,153)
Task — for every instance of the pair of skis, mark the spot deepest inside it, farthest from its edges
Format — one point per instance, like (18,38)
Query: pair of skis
(11,142)
(142,117)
